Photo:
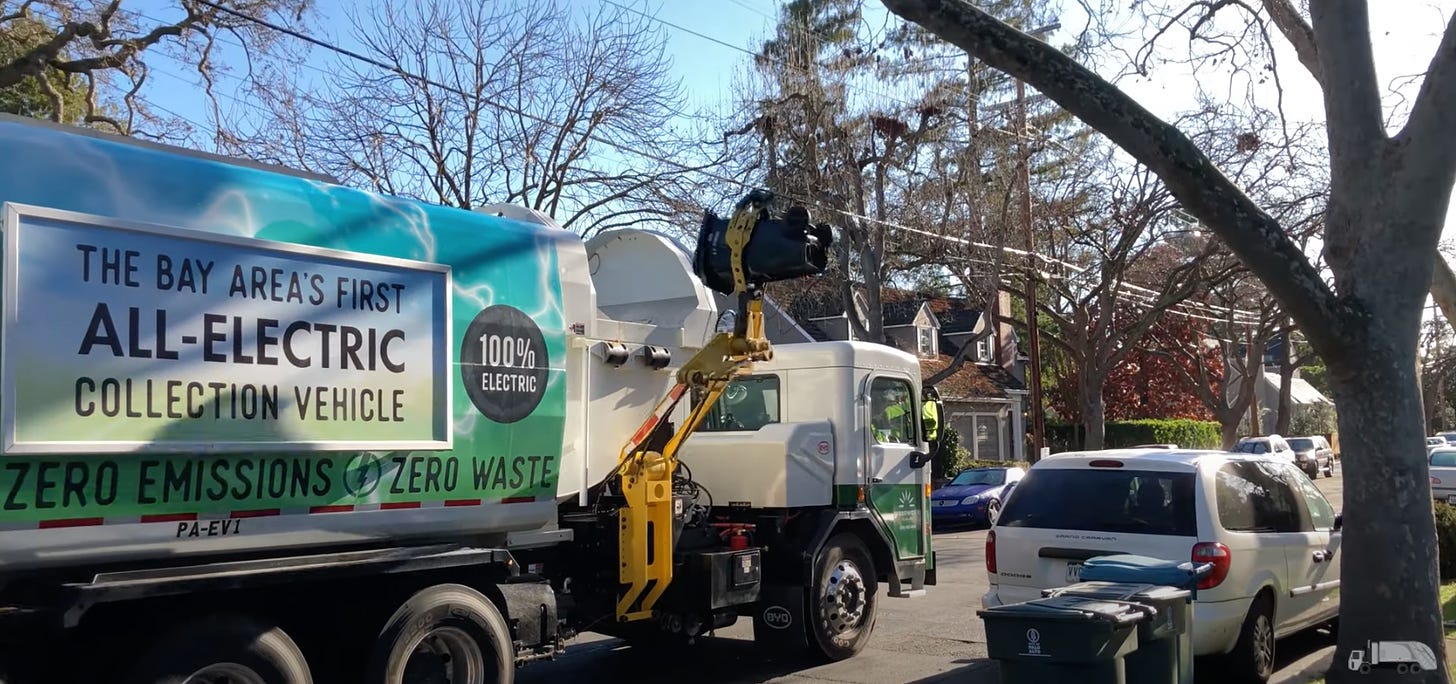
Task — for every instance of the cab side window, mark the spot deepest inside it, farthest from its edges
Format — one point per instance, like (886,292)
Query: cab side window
(747,404)
(893,416)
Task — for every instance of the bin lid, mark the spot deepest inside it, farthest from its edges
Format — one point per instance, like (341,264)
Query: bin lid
(1071,609)
(1123,591)
(1138,570)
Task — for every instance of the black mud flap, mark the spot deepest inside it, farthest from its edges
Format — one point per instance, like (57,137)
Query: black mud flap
(778,619)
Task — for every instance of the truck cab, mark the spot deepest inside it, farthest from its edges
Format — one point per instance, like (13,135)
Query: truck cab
(832,425)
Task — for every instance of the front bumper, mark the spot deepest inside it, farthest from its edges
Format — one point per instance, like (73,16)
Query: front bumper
(958,512)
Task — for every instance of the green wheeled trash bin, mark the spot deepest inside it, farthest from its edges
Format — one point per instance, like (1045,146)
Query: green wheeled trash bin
(1063,639)
(1165,641)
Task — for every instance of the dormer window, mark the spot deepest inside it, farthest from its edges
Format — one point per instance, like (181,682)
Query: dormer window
(983,350)
(926,347)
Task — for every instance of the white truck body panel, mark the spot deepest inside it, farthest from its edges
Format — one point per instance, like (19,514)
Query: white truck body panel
(641,277)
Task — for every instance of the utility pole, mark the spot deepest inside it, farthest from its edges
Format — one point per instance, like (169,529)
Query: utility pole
(1033,331)
(1250,364)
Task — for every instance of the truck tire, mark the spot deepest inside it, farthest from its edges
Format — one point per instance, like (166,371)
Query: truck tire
(448,632)
(842,603)
(1252,659)
(223,648)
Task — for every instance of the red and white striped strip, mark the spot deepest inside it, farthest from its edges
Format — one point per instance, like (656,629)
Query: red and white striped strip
(63,523)
(664,407)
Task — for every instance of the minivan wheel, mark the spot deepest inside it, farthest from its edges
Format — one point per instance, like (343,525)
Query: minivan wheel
(1252,659)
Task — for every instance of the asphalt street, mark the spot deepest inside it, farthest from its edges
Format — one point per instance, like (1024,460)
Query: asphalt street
(932,638)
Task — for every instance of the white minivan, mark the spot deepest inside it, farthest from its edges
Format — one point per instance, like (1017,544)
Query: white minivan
(1271,536)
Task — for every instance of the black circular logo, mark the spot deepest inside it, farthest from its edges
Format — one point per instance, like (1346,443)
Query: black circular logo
(503,363)
(362,475)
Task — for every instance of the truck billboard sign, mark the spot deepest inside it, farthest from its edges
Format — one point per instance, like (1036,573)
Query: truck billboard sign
(436,335)
(128,337)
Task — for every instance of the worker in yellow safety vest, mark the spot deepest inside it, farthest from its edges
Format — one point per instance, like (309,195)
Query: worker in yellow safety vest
(932,417)
(889,422)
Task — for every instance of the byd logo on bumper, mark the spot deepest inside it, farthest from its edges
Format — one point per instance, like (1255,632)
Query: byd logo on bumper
(777,617)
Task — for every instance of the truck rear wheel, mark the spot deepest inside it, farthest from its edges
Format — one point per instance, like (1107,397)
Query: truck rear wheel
(223,649)
(842,604)
(446,633)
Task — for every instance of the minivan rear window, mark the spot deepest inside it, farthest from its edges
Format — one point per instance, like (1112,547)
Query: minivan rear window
(1127,501)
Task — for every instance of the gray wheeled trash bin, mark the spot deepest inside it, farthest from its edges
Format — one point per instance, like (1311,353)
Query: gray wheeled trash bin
(1165,641)
(1063,639)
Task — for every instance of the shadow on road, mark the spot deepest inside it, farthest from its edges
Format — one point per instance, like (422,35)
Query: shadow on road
(733,661)
(966,672)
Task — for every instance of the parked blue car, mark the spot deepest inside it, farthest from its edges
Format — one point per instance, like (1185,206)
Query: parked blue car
(973,496)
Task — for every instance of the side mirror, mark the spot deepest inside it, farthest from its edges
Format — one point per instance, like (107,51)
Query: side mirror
(1339,521)
(918,459)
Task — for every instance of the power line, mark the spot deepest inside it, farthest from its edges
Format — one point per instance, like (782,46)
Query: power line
(647,155)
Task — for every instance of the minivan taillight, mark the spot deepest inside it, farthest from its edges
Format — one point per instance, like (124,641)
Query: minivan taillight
(991,552)
(1219,555)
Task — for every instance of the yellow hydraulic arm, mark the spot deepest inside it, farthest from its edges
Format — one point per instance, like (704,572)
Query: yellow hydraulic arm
(645,534)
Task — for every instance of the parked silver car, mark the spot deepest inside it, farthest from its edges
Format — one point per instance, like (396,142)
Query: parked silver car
(1313,455)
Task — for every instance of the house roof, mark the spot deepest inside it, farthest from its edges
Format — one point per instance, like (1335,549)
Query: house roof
(1300,392)
(900,308)
(1002,377)
(970,382)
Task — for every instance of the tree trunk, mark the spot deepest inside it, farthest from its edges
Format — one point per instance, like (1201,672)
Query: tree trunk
(1229,429)
(1384,549)
(1286,393)
(1089,387)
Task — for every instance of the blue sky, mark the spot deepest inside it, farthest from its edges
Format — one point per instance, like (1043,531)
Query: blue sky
(708,42)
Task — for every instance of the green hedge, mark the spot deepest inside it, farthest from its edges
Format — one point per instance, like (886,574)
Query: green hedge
(1190,434)
(968,464)
(1446,539)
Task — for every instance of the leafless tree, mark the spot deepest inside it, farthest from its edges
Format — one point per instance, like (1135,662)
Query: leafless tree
(1388,199)
(1137,262)
(106,44)
(468,104)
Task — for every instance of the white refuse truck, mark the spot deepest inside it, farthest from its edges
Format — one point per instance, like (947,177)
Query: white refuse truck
(258,427)
(1402,656)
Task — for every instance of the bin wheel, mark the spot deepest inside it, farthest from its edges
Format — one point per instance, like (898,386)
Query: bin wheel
(223,649)
(448,632)
(842,605)
(1252,659)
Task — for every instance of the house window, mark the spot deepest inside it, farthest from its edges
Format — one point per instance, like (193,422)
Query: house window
(983,349)
(747,404)
(927,342)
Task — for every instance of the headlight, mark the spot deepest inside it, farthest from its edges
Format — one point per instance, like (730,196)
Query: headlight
(971,499)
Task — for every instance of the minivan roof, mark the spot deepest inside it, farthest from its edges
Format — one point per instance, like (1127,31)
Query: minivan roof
(1146,459)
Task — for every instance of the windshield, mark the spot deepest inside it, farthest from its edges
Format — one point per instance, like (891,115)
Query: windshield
(1252,447)
(1132,501)
(1301,444)
(980,477)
